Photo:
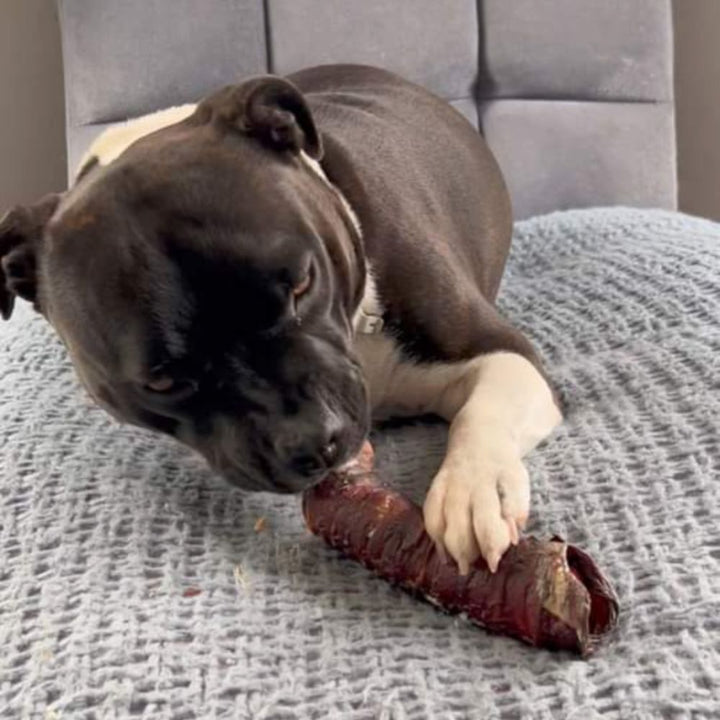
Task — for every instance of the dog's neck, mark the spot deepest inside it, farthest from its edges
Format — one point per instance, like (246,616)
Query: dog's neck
(367,319)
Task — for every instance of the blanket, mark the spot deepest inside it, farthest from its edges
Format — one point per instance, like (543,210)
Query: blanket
(134,583)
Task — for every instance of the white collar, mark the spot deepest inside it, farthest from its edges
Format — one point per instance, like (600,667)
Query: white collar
(368,318)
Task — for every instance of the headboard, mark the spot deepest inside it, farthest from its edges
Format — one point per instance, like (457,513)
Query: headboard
(575,97)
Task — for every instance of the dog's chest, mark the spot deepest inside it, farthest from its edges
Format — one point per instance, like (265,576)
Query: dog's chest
(397,386)
(400,387)
(382,365)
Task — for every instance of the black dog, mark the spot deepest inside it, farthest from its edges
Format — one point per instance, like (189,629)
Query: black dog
(254,275)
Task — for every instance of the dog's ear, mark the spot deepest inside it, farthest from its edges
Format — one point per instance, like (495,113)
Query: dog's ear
(21,232)
(271,109)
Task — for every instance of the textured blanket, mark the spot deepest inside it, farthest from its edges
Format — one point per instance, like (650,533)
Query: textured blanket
(135,584)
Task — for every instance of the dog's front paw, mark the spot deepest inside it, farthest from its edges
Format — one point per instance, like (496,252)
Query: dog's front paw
(476,504)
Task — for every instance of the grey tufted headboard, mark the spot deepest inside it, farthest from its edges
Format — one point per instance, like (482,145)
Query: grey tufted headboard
(574,96)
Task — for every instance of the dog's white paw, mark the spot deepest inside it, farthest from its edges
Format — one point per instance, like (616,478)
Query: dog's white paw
(477,503)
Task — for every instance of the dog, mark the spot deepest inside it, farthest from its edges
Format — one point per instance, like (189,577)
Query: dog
(261,273)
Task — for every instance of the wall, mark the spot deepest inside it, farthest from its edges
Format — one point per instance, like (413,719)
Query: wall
(32,110)
(32,146)
(697,89)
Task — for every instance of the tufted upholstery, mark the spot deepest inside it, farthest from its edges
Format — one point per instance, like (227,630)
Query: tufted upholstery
(574,96)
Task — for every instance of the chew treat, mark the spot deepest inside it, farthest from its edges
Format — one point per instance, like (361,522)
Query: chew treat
(260,525)
(547,593)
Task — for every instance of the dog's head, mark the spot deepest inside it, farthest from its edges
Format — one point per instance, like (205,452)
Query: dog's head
(204,284)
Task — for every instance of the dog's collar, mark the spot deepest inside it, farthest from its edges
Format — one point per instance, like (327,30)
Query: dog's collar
(367,324)
(368,318)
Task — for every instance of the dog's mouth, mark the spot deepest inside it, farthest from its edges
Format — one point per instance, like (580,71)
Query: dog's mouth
(267,477)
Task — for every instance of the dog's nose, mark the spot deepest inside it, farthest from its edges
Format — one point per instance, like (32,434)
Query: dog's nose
(317,461)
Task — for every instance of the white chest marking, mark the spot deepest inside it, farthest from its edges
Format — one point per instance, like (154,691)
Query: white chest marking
(399,386)
(396,386)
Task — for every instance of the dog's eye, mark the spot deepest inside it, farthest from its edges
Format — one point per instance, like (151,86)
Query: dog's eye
(170,387)
(303,286)
(161,384)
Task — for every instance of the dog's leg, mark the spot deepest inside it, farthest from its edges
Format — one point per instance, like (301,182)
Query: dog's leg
(500,408)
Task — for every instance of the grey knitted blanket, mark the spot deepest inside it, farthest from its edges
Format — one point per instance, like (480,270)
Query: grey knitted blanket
(134,584)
